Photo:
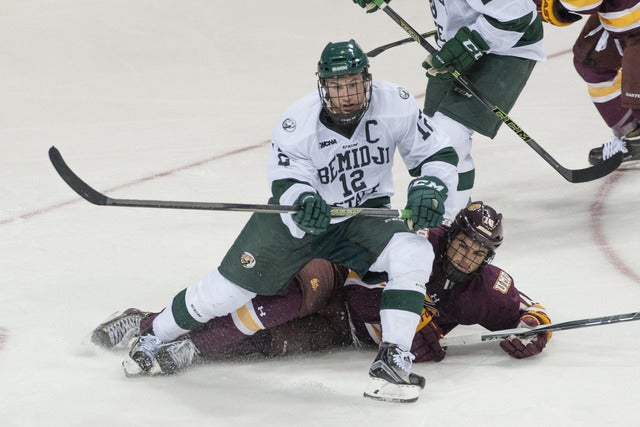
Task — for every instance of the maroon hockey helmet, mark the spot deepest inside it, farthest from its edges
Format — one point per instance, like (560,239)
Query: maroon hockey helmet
(481,223)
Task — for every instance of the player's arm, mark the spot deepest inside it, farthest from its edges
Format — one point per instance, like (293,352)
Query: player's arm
(531,315)
(432,160)
(426,342)
(292,178)
(498,305)
(503,25)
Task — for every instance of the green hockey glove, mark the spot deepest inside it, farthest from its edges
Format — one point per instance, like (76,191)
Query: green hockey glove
(462,51)
(314,214)
(366,4)
(426,196)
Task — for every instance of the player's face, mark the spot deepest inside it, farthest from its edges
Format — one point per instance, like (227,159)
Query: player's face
(466,254)
(347,94)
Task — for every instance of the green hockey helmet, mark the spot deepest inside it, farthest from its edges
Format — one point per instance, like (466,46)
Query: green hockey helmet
(344,82)
(341,59)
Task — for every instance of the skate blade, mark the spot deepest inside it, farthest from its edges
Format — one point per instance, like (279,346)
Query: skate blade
(380,389)
(132,369)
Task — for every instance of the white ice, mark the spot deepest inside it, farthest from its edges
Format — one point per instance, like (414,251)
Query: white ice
(171,99)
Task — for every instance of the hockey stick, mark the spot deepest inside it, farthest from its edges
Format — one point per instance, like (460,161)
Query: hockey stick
(526,332)
(93,196)
(377,51)
(572,175)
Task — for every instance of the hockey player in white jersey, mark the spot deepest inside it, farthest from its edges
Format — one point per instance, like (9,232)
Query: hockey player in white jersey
(496,45)
(334,147)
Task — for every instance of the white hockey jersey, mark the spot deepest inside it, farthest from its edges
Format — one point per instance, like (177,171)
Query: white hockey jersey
(347,172)
(509,27)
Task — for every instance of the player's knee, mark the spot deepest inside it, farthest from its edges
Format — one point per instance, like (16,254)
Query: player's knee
(408,253)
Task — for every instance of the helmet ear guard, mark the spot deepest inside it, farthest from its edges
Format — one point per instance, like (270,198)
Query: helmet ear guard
(482,224)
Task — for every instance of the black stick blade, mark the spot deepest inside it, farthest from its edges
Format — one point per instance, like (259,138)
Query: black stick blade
(594,172)
(73,181)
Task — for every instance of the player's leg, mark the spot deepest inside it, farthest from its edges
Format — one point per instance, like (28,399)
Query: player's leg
(261,261)
(406,258)
(500,79)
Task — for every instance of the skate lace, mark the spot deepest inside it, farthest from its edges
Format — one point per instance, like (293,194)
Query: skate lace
(148,344)
(612,147)
(119,329)
(403,359)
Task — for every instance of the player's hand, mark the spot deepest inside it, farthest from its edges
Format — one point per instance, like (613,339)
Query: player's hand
(314,214)
(527,347)
(461,52)
(426,197)
(369,5)
(553,12)
(426,344)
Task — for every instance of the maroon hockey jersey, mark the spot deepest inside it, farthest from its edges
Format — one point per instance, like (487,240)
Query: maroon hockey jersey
(489,299)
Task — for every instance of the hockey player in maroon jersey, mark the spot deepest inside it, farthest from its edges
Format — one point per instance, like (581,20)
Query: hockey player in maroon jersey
(465,288)
(608,44)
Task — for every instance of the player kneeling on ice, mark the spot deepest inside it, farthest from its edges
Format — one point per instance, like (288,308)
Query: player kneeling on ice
(323,299)
(334,147)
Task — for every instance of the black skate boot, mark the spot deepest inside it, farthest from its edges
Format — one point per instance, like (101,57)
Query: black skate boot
(629,145)
(118,330)
(391,377)
(175,356)
(149,356)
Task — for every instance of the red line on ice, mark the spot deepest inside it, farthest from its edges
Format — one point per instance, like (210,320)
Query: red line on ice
(50,208)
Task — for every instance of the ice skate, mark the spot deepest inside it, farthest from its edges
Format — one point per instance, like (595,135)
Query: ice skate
(390,375)
(118,330)
(149,356)
(629,145)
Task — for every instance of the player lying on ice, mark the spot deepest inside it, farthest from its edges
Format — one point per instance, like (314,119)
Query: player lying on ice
(464,289)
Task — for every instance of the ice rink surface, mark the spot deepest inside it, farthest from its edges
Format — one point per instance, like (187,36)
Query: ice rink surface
(176,100)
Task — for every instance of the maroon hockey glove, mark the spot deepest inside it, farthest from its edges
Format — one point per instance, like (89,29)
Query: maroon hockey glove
(527,347)
(553,12)
(426,344)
